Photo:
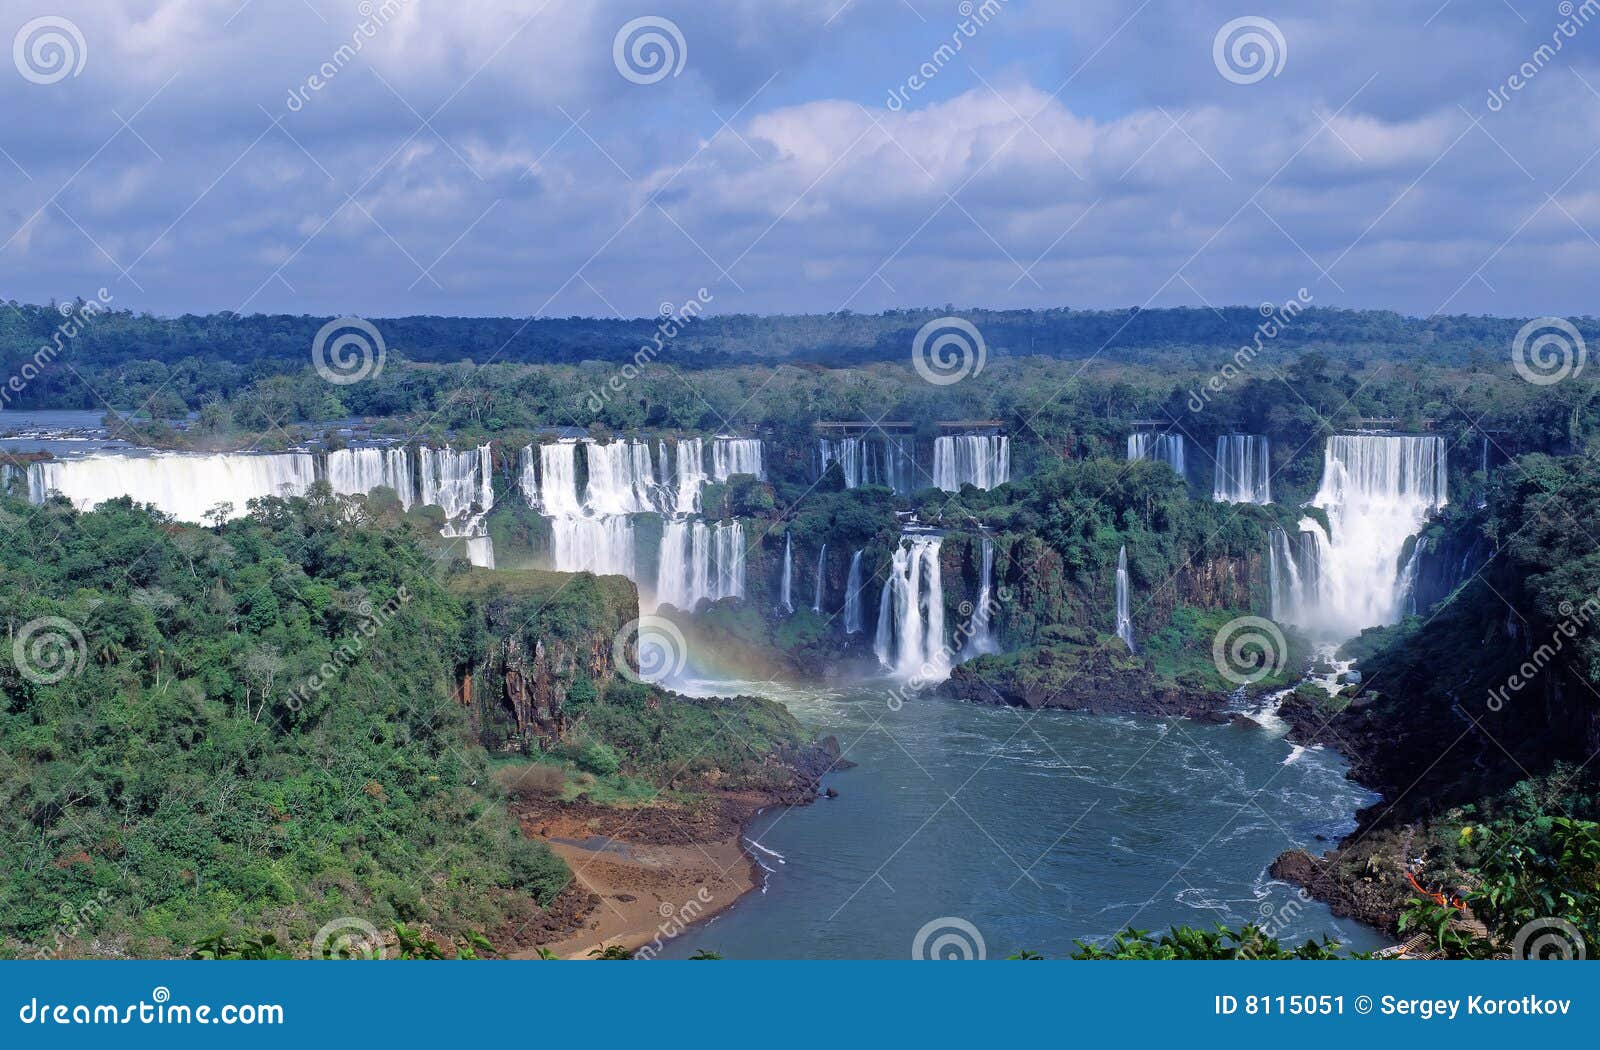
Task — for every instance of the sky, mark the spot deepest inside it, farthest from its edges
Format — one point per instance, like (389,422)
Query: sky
(525,158)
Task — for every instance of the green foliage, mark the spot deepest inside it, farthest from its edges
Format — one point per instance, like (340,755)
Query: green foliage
(611,953)
(1187,942)
(262,728)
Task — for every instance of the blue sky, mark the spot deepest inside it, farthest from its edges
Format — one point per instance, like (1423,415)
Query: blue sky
(492,157)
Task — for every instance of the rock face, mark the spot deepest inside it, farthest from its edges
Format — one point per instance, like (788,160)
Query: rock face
(537,638)
(1365,880)
(1071,679)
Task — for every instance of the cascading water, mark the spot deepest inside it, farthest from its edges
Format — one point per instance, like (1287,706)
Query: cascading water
(731,455)
(601,545)
(622,479)
(822,562)
(900,465)
(910,643)
(1377,491)
(1168,448)
(357,471)
(853,455)
(980,627)
(980,460)
(1483,468)
(1244,473)
(852,597)
(186,487)
(1296,573)
(1124,606)
(690,475)
(462,485)
(459,483)
(728,539)
(870,461)
(788,573)
(557,496)
(700,562)
(528,475)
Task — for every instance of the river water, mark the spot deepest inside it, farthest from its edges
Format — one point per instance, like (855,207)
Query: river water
(1036,828)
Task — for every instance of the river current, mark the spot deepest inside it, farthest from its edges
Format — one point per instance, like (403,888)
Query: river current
(1036,828)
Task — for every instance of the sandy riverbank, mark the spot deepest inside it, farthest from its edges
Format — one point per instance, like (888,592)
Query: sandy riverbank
(652,871)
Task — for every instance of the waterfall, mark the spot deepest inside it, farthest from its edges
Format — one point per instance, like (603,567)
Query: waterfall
(1124,613)
(866,461)
(1168,448)
(900,465)
(788,573)
(910,642)
(1483,468)
(822,562)
(690,475)
(1377,490)
(729,537)
(601,545)
(731,455)
(462,485)
(558,470)
(1408,577)
(700,562)
(357,471)
(980,627)
(622,479)
(1295,573)
(459,483)
(182,486)
(852,597)
(981,460)
(1243,469)
(528,475)
(853,456)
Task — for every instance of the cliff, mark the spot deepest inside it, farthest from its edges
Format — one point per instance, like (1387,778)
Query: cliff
(534,640)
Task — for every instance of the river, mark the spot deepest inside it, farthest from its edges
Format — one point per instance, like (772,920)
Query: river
(1037,829)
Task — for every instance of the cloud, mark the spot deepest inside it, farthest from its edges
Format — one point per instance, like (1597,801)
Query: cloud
(489,158)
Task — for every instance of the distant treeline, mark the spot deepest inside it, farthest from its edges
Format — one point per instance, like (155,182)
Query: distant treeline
(126,359)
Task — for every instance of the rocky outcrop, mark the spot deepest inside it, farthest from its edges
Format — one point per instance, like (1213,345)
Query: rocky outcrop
(534,638)
(1072,678)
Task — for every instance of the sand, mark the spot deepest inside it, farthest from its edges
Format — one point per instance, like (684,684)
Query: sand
(656,872)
